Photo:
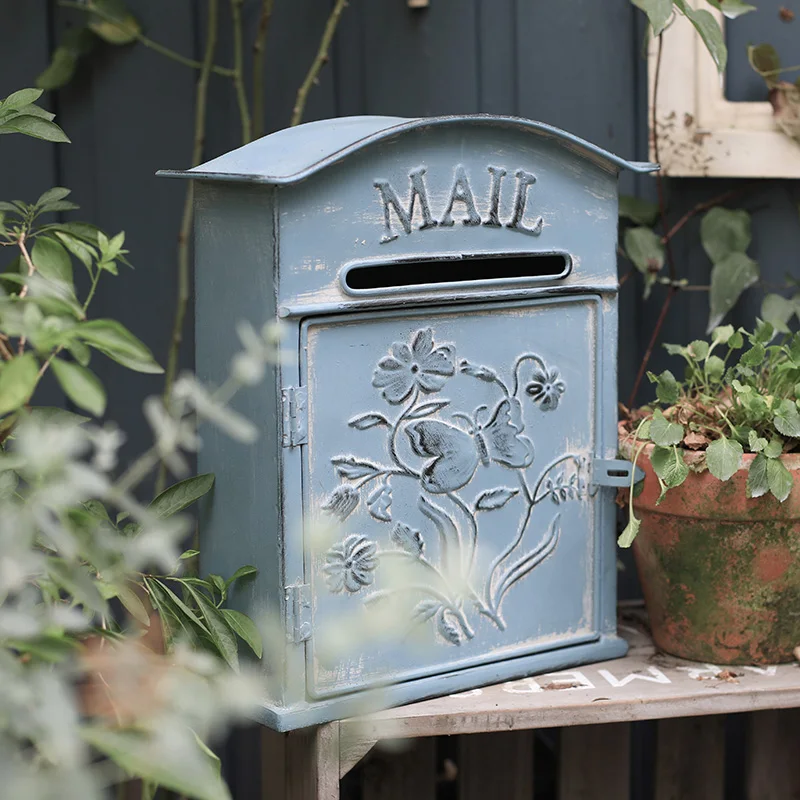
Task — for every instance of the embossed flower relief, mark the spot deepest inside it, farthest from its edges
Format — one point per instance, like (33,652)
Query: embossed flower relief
(545,387)
(418,366)
(350,564)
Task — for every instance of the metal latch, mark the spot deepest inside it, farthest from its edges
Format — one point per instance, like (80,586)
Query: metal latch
(295,415)
(298,612)
(614,472)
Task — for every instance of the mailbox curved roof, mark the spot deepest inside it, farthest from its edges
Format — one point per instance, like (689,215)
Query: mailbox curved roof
(293,154)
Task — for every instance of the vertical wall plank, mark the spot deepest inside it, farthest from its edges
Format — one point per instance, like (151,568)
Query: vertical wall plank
(690,764)
(409,774)
(496,765)
(773,765)
(595,762)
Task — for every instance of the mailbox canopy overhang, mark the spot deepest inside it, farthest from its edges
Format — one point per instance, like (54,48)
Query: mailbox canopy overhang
(294,154)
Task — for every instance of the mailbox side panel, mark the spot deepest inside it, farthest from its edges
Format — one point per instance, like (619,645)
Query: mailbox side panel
(234,257)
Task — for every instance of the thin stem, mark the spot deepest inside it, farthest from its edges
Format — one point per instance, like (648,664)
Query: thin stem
(321,59)
(473,526)
(92,288)
(699,208)
(146,41)
(238,70)
(6,353)
(393,437)
(31,269)
(520,361)
(651,345)
(259,53)
(200,115)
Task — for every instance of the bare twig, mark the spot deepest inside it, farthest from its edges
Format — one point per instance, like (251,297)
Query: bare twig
(321,59)
(238,70)
(201,103)
(144,40)
(259,53)
(4,351)
(31,269)
(699,208)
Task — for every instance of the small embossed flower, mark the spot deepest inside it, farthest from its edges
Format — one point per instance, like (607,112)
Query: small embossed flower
(546,388)
(350,564)
(421,366)
(341,502)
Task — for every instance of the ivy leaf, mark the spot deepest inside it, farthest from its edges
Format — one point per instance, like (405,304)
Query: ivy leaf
(642,212)
(729,278)
(81,386)
(779,479)
(494,498)
(658,13)
(181,495)
(724,458)
(18,379)
(631,531)
(732,8)
(667,389)
(426,409)
(709,30)
(407,539)
(757,482)
(366,421)
(115,341)
(245,628)
(669,465)
(787,419)
(665,433)
(351,468)
(723,232)
(644,249)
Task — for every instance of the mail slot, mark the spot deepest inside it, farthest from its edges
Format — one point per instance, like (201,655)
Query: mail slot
(448,291)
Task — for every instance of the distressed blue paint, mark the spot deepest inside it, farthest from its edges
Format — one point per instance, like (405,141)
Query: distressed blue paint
(442,418)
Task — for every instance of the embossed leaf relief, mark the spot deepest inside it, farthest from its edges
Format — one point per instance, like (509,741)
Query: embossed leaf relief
(450,446)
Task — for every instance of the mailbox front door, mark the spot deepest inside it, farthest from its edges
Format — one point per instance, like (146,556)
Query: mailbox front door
(450,519)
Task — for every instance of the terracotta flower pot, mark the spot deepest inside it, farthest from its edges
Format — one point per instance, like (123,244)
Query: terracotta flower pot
(720,572)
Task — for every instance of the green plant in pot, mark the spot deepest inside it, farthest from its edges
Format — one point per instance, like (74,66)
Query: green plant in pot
(715,524)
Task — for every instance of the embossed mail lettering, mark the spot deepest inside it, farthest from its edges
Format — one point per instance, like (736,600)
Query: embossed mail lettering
(461,202)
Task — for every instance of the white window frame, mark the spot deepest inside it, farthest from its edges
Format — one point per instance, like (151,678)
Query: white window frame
(700,133)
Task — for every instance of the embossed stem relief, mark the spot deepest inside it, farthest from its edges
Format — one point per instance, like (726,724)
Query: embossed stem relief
(461,193)
(451,452)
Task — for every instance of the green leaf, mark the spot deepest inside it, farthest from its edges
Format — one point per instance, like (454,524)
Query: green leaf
(83,252)
(133,604)
(787,419)
(180,605)
(245,628)
(80,352)
(698,349)
(51,259)
(18,379)
(180,765)
(669,465)
(764,332)
(629,534)
(723,232)
(46,415)
(644,249)
(220,633)
(722,334)
(21,98)
(81,385)
(59,71)
(715,368)
(77,582)
(779,479)
(754,357)
(778,311)
(724,458)
(642,212)
(181,495)
(764,59)
(123,28)
(189,554)
(242,572)
(774,449)
(755,442)
(667,389)
(114,340)
(709,30)
(658,13)
(729,278)
(665,433)
(757,482)
(732,8)
(37,127)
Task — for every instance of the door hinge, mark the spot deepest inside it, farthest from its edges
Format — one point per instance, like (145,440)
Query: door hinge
(614,472)
(298,612)
(295,415)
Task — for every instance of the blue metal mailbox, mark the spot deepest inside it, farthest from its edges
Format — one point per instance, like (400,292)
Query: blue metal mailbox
(448,288)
